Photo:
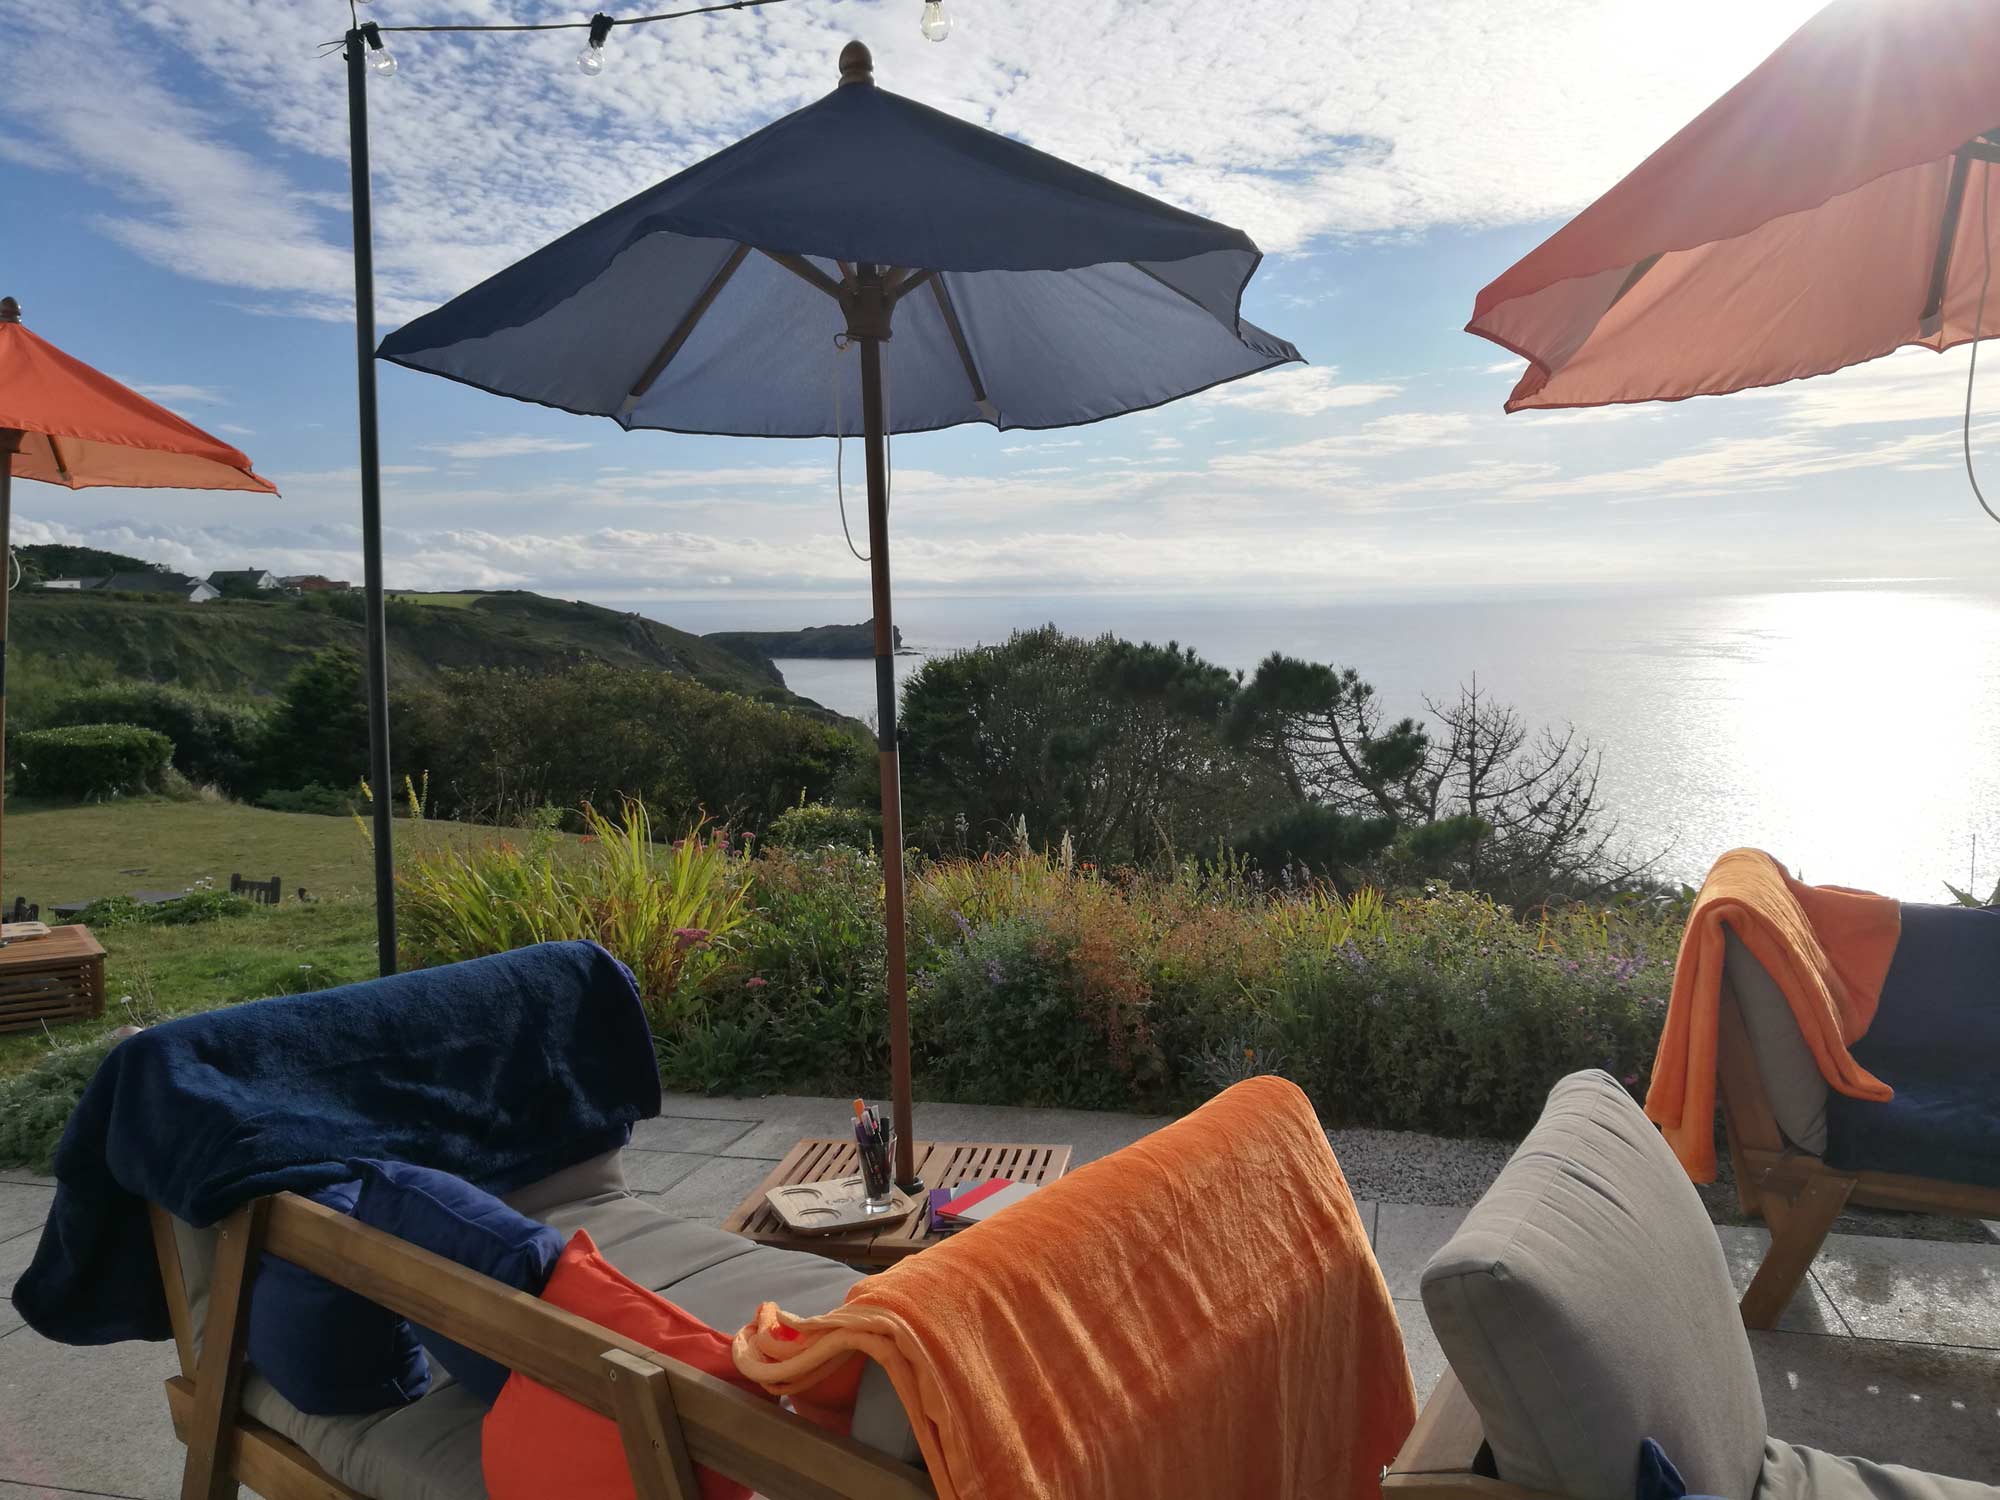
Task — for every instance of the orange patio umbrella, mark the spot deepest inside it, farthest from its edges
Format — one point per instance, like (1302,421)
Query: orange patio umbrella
(1827,210)
(64,423)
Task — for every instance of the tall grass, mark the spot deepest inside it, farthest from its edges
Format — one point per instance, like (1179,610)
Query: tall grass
(668,912)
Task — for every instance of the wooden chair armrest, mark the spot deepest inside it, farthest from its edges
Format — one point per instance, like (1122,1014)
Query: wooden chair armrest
(1439,1460)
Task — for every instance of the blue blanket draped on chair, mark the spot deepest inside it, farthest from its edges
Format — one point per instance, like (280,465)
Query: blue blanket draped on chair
(1935,1041)
(500,1070)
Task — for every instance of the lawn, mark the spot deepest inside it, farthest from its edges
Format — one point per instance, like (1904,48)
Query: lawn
(443,601)
(151,973)
(113,848)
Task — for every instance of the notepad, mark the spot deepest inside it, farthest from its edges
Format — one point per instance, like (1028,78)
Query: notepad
(976,1203)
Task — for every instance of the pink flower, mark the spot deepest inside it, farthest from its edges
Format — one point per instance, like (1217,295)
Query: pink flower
(690,937)
(755,982)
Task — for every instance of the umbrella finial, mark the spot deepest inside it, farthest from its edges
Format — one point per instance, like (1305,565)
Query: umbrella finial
(10,310)
(857,64)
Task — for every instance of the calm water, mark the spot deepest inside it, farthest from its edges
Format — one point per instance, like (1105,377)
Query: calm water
(1852,732)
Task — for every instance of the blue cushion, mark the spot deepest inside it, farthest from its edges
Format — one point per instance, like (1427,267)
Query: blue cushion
(1941,996)
(450,1217)
(329,1351)
(1948,1129)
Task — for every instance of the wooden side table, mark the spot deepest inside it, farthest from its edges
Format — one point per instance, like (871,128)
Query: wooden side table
(55,978)
(941,1164)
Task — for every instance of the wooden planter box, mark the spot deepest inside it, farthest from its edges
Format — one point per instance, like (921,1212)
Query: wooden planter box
(55,978)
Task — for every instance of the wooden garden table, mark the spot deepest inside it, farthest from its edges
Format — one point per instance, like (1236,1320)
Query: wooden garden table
(59,977)
(941,1164)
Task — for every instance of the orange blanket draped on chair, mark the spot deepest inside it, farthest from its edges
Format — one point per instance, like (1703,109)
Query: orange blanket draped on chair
(1197,1314)
(1828,950)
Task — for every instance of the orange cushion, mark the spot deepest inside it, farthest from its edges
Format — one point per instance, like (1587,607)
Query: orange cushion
(536,1444)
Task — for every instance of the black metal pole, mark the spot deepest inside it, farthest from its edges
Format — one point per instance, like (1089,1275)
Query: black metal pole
(10,443)
(371,505)
(874,434)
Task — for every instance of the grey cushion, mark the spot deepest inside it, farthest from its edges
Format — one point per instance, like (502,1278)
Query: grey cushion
(1792,1080)
(429,1450)
(1807,1474)
(1585,1305)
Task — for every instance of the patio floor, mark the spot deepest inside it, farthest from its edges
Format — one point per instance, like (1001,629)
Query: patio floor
(1891,1351)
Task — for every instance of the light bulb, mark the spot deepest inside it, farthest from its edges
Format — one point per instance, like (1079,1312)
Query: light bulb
(935,25)
(383,61)
(591,59)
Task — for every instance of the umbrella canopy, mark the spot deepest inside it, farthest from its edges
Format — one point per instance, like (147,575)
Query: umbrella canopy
(980,280)
(1825,211)
(1054,297)
(82,428)
(64,423)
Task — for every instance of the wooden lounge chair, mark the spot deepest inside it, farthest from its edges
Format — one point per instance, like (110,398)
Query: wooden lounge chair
(670,1416)
(1585,1305)
(1773,1109)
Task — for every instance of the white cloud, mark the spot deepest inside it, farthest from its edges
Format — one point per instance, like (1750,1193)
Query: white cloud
(1298,391)
(515,446)
(170,395)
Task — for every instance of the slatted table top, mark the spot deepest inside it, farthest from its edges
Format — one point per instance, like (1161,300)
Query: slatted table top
(62,945)
(943,1164)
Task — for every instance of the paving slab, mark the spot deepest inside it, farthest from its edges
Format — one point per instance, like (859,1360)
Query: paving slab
(719,1106)
(89,1419)
(656,1171)
(1926,1291)
(712,1190)
(25,1178)
(39,1492)
(23,1207)
(1420,1347)
(1811,1309)
(1407,1235)
(1926,1406)
(14,1257)
(705,1134)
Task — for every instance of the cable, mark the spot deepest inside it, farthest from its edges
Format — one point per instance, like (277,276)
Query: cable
(1979,327)
(668,15)
(841,344)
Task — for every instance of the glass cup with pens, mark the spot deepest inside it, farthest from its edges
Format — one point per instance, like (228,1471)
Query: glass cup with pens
(876,1142)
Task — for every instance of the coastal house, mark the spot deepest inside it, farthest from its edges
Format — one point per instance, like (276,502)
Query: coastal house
(315,583)
(243,580)
(178,585)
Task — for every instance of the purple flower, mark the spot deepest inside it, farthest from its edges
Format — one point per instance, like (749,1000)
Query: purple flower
(964,927)
(690,937)
(993,974)
(1625,968)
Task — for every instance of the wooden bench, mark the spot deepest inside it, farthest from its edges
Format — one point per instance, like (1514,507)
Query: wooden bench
(670,1416)
(1797,1194)
(263,892)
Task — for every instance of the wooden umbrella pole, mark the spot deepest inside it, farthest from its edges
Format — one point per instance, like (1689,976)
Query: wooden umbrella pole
(868,321)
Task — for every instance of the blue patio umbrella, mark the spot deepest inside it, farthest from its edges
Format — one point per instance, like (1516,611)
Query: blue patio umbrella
(979,280)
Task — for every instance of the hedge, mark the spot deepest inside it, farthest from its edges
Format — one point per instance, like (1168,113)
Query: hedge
(86,761)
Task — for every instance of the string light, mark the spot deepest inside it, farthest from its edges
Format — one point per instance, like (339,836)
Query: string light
(380,58)
(935,25)
(591,58)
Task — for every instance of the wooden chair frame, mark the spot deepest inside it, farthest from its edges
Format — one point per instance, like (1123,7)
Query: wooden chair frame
(1798,1194)
(1444,1456)
(671,1416)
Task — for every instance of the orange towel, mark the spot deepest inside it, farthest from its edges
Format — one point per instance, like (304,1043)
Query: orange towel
(1198,1314)
(1827,947)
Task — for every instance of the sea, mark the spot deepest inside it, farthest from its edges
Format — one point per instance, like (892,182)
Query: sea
(1854,732)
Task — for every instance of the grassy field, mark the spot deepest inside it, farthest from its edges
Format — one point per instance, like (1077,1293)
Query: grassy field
(442,601)
(114,848)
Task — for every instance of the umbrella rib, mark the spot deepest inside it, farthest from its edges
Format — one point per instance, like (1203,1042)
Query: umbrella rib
(55,453)
(804,269)
(1636,275)
(957,332)
(686,326)
(905,284)
(1954,204)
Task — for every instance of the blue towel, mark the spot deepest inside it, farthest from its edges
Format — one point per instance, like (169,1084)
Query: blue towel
(500,1070)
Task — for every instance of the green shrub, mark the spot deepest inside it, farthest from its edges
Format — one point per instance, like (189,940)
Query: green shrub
(666,913)
(84,761)
(35,1104)
(317,798)
(216,740)
(496,741)
(819,825)
(196,906)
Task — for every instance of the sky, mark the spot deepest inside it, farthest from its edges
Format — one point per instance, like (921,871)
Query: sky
(173,209)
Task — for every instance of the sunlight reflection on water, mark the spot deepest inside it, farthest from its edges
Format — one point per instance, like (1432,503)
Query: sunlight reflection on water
(1850,732)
